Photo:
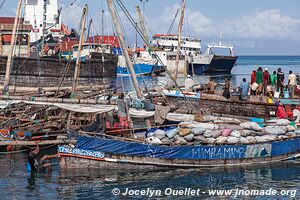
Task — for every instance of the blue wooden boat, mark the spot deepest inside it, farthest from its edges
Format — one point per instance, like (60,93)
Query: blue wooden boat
(140,70)
(97,152)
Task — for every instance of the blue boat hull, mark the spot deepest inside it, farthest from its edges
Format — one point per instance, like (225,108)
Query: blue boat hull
(107,152)
(140,69)
(218,65)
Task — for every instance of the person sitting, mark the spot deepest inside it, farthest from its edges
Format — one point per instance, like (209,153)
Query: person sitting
(280,81)
(280,111)
(296,114)
(211,86)
(244,87)
(188,84)
(226,93)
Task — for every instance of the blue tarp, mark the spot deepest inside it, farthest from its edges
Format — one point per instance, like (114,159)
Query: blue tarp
(117,147)
(177,152)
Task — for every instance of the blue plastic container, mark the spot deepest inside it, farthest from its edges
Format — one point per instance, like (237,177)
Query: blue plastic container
(286,94)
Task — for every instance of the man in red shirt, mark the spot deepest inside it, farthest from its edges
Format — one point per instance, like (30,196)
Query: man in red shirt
(253,76)
(253,80)
(266,80)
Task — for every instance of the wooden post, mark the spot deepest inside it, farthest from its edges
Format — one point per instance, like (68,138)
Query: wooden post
(0,42)
(12,44)
(123,47)
(125,52)
(179,38)
(78,61)
(28,45)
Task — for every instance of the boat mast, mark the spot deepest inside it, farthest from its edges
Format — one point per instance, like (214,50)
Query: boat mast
(142,23)
(44,25)
(123,47)
(179,37)
(78,60)
(12,45)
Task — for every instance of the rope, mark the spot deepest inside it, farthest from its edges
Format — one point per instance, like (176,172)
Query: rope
(132,21)
(64,74)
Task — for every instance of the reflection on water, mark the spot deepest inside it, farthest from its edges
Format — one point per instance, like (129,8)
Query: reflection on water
(17,183)
(99,184)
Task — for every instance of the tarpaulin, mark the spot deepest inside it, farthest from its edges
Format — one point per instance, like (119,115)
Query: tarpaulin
(80,108)
(118,147)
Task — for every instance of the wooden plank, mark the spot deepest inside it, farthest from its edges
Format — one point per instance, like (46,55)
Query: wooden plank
(33,143)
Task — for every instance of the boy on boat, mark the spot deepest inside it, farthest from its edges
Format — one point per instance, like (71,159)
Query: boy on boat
(244,90)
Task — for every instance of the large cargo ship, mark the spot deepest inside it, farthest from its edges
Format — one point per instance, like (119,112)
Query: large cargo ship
(199,63)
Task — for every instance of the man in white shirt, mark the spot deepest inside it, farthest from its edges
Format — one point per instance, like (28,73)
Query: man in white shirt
(188,84)
(292,83)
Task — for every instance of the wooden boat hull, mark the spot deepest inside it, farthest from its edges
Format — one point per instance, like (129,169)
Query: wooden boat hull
(49,71)
(237,108)
(104,153)
(222,106)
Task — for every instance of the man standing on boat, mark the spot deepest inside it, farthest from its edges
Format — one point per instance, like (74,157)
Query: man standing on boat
(280,81)
(123,111)
(259,80)
(244,89)
(280,111)
(292,83)
(273,79)
(266,80)
(253,77)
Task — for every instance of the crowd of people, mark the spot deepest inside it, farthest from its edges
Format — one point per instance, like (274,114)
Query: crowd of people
(273,84)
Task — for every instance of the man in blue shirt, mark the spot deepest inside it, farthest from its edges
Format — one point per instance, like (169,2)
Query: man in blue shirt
(244,89)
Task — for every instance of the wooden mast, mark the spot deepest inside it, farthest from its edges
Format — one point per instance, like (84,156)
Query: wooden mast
(179,38)
(12,45)
(125,52)
(123,47)
(78,60)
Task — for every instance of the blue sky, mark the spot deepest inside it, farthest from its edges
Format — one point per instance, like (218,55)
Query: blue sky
(254,27)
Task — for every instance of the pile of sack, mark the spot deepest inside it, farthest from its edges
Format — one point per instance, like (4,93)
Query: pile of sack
(221,134)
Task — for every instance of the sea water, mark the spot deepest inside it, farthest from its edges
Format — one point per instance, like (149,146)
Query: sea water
(17,183)
(243,182)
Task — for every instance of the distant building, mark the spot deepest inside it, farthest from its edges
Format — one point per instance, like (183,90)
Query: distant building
(39,11)
(22,47)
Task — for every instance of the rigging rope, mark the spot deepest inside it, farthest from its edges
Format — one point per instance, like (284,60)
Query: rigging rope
(132,21)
